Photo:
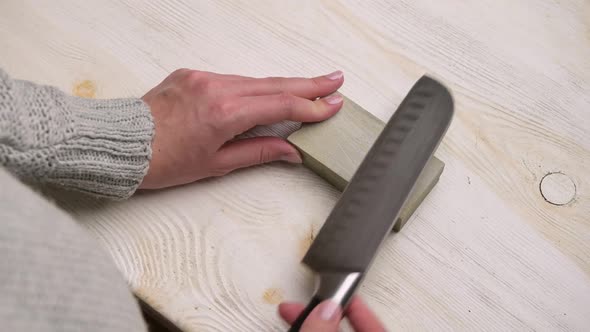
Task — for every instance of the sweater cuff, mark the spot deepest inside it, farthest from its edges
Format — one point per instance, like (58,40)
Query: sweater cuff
(108,147)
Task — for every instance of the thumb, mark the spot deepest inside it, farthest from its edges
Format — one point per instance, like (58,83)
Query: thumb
(253,151)
(325,317)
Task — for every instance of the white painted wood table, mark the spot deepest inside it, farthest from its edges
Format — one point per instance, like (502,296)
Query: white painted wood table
(503,241)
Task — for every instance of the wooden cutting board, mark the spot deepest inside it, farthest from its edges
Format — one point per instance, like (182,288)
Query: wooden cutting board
(335,148)
(500,244)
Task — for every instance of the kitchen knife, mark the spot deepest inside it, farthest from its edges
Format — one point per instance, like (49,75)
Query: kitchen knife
(345,247)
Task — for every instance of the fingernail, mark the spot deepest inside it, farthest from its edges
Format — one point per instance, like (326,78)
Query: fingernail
(335,75)
(292,158)
(328,310)
(334,99)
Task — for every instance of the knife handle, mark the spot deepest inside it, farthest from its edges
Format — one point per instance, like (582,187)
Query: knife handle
(336,286)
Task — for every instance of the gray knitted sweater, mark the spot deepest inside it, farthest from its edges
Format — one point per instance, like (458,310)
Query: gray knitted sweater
(53,275)
(101,147)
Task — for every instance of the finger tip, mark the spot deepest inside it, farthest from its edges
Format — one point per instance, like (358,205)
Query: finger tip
(285,304)
(335,100)
(332,82)
(333,106)
(337,84)
(291,306)
(281,307)
(290,310)
(336,76)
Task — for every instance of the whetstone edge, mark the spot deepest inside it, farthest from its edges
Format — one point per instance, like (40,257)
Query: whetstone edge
(335,148)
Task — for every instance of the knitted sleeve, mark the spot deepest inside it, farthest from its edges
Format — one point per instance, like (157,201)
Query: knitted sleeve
(101,147)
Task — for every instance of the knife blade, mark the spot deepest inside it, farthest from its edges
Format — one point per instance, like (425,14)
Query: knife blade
(344,249)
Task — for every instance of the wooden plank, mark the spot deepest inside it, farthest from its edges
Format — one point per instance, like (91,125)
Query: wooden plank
(335,148)
(494,248)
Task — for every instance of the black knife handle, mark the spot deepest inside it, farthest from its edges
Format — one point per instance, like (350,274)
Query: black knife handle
(296,326)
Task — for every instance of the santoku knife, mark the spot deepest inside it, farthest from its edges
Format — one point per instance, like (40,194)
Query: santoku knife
(345,247)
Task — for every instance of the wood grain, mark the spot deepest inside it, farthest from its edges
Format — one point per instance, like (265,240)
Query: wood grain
(485,251)
(334,149)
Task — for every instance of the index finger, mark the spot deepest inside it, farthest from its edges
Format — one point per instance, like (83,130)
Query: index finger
(308,88)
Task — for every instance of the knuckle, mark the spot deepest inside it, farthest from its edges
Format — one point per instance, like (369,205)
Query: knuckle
(278,83)
(200,81)
(221,112)
(210,86)
(195,75)
(197,85)
(223,108)
(181,72)
(287,100)
(315,82)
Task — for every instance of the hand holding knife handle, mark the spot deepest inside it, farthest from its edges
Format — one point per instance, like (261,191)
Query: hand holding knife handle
(337,287)
(350,238)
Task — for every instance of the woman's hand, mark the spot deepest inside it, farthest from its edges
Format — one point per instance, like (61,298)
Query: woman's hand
(327,315)
(196,114)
